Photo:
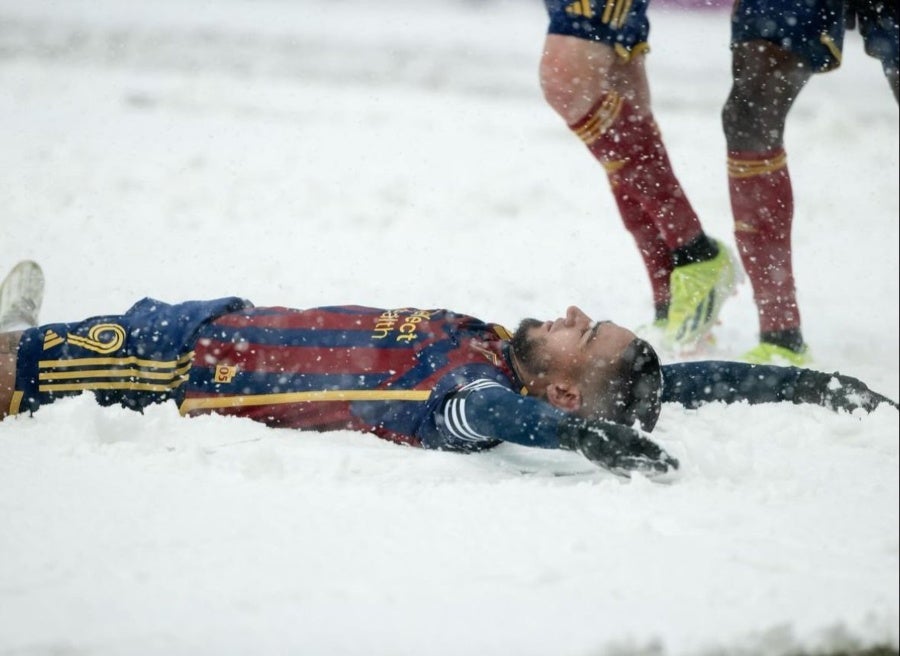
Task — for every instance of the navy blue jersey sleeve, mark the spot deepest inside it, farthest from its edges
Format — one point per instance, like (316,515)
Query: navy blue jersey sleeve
(484,413)
(693,384)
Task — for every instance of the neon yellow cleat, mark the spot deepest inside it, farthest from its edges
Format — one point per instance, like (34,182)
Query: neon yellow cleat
(766,353)
(698,292)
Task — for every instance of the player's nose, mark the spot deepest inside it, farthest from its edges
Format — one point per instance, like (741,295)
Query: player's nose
(575,316)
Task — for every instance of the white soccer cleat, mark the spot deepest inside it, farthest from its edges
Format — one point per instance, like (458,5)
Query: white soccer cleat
(21,295)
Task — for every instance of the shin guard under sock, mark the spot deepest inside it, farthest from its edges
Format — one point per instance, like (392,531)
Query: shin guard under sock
(762,203)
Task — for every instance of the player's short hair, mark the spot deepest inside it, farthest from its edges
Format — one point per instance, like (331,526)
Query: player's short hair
(634,393)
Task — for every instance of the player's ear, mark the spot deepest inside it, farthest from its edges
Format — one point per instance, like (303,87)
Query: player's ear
(565,396)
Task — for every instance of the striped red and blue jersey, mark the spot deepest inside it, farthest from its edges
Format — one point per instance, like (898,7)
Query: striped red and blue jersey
(384,371)
(432,378)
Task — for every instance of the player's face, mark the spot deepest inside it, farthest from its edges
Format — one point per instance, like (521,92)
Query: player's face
(573,345)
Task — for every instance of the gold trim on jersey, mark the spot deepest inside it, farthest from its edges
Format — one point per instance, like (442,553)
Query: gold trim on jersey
(610,6)
(748,168)
(103,338)
(829,43)
(627,55)
(130,373)
(601,119)
(580,8)
(15,402)
(51,339)
(621,13)
(130,360)
(118,385)
(244,401)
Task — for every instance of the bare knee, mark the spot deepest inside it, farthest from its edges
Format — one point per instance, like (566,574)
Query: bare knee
(747,128)
(766,81)
(574,73)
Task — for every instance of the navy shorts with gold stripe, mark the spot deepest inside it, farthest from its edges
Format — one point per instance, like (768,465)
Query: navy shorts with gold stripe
(621,24)
(814,29)
(133,359)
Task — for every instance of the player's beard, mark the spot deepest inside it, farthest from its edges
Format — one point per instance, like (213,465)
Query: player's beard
(528,349)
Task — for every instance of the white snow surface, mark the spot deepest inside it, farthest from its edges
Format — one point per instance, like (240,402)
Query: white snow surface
(400,154)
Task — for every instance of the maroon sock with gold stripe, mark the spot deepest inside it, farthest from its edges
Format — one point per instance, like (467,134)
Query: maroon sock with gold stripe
(631,150)
(762,202)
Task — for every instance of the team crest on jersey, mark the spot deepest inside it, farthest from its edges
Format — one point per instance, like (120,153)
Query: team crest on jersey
(225,373)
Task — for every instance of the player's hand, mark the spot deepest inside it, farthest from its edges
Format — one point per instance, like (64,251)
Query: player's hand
(615,447)
(837,392)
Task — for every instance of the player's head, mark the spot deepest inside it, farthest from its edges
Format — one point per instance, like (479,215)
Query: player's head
(593,369)
(633,394)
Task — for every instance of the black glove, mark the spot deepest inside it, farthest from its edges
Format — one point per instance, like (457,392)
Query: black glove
(615,447)
(837,392)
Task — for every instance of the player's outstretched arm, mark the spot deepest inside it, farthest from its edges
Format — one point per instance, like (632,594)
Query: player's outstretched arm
(486,411)
(837,392)
(693,384)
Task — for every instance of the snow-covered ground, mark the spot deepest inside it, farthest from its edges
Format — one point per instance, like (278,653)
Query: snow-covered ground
(396,154)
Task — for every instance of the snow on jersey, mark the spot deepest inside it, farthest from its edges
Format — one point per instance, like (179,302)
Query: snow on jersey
(384,371)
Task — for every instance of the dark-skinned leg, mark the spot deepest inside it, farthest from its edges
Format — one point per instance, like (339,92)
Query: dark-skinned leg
(766,82)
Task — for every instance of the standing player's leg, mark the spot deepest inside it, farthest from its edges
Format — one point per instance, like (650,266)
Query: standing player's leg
(593,75)
(766,81)
(777,45)
(575,75)
(879,25)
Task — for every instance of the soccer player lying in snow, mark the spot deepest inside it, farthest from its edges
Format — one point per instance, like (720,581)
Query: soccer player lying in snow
(431,378)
